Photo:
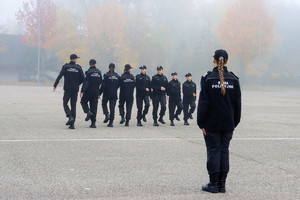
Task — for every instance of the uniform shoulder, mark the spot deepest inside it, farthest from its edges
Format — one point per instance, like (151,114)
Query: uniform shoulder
(235,76)
(206,74)
(78,66)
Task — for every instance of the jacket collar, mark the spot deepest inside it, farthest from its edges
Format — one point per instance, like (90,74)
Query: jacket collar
(216,69)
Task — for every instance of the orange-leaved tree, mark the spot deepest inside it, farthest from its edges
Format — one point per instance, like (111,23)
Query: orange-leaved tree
(106,27)
(69,40)
(32,14)
(239,31)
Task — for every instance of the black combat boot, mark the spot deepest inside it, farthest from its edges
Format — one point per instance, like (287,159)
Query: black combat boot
(70,121)
(72,126)
(122,120)
(144,118)
(155,123)
(176,117)
(222,182)
(127,123)
(161,120)
(93,125)
(186,123)
(212,186)
(89,114)
(107,118)
(172,123)
(110,124)
(191,116)
(139,123)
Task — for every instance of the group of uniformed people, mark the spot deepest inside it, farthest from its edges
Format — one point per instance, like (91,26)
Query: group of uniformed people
(218,113)
(94,85)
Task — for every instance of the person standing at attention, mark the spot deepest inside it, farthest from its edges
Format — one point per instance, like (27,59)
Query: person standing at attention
(219,113)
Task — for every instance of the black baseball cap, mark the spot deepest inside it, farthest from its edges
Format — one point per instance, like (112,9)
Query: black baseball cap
(73,56)
(92,62)
(143,67)
(221,53)
(159,68)
(174,73)
(188,74)
(112,65)
(127,66)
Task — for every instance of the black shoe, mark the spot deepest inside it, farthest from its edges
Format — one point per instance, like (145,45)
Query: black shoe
(72,126)
(70,121)
(139,123)
(89,114)
(122,120)
(191,116)
(172,123)
(144,119)
(127,123)
(211,187)
(186,123)
(110,124)
(176,117)
(107,118)
(93,125)
(222,182)
(161,120)
(155,123)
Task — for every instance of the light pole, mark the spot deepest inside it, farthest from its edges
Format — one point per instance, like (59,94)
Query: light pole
(259,56)
(39,39)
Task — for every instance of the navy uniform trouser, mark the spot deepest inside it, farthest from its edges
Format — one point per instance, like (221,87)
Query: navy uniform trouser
(217,147)
(93,101)
(112,105)
(129,104)
(172,106)
(70,95)
(186,111)
(163,102)
(139,105)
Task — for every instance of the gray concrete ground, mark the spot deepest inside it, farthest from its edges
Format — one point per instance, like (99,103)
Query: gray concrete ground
(42,159)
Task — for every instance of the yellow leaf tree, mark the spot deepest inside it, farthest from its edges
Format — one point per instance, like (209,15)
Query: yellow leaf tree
(105,28)
(69,40)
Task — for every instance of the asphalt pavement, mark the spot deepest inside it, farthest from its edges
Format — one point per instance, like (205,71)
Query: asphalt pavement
(42,159)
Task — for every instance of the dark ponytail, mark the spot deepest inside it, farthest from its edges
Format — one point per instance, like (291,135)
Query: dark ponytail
(111,69)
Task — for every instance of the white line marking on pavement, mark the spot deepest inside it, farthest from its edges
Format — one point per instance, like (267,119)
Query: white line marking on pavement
(135,139)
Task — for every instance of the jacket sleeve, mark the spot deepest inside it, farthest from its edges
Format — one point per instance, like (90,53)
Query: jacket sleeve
(203,104)
(168,89)
(183,89)
(81,75)
(86,82)
(61,74)
(238,105)
(103,85)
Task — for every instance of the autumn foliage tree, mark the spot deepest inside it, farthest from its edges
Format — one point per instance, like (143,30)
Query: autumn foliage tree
(106,33)
(29,17)
(239,31)
(69,38)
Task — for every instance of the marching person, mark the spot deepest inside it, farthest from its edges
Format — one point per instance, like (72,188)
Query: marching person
(174,97)
(73,77)
(219,112)
(159,84)
(109,88)
(143,88)
(127,85)
(189,97)
(90,92)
